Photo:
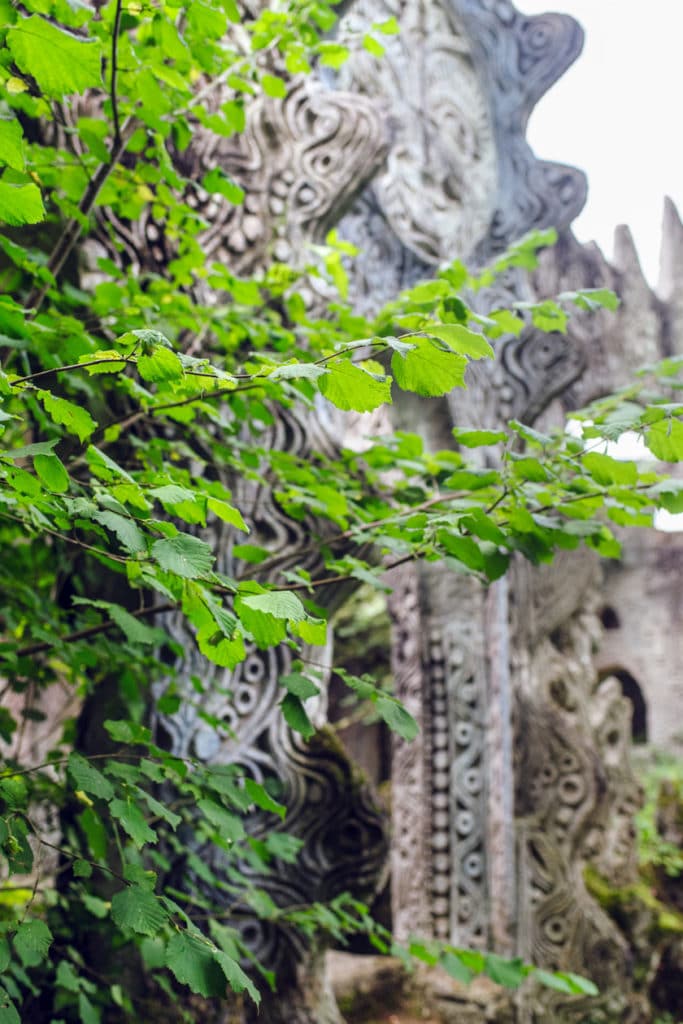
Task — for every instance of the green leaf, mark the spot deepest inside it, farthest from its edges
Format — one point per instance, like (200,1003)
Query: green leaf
(259,795)
(218,181)
(111,362)
(67,977)
(397,718)
(454,966)
(95,906)
(229,825)
(88,778)
(547,316)
(398,345)
(184,555)
(11,144)
(20,204)
(73,64)
(606,470)
(40,448)
(88,1013)
(274,86)
(76,420)
(670,495)
(390,27)
(296,717)
(132,820)
(301,686)
(311,631)
(284,846)
(160,365)
(14,791)
(182,503)
(135,630)
(228,513)
(350,387)
(5,954)
(333,55)
(665,440)
(478,438)
(226,652)
(32,942)
(236,978)
(509,973)
(463,340)
(81,869)
(138,910)
(51,471)
(373,46)
(293,371)
(193,962)
(564,981)
(430,369)
(124,527)
(266,630)
(591,299)
(95,832)
(428,292)
(464,549)
(281,604)
(504,322)
(251,553)
(8,1012)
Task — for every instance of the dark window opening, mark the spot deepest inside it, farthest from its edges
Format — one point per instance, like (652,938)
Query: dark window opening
(609,618)
(631,689)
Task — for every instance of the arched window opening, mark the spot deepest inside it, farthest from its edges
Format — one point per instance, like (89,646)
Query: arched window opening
(631,689)
(609,618)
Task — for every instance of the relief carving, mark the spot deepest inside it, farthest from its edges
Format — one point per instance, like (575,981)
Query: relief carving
(422,160)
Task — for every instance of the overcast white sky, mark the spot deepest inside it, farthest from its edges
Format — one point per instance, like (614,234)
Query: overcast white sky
(617,114)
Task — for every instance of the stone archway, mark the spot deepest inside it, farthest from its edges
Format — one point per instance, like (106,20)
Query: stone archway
(633,692)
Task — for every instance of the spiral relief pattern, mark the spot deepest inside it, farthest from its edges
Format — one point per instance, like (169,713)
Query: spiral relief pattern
(423,160)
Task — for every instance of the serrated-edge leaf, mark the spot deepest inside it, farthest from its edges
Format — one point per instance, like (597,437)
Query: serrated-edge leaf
(281,604)
(137,909)
(184,555)
(73,64)
(88,778)
(295,716)
(132,820)
(463,340)
(32,941)
(21,204)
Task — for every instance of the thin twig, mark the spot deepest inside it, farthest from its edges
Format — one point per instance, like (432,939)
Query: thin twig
(73,228)
(72,366)
(114,69)
(82,634)
(70,540)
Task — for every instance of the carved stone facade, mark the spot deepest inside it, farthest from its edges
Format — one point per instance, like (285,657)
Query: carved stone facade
(520,775)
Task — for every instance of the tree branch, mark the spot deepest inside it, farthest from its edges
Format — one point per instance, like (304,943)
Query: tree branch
(114,70)
(83,634)
(73,228)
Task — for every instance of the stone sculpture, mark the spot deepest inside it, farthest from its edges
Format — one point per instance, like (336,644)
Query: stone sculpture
(511,788)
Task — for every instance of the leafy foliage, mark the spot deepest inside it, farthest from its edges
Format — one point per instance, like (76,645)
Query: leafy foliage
(104,404)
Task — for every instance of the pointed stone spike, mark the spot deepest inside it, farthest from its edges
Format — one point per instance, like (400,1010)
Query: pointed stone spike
(638,337)
(626,259)
(670,285)
(671,252)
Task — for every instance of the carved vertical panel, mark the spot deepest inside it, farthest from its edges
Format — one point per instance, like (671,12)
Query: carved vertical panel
(466,689)
(440,884)
(574,784)
(411,825)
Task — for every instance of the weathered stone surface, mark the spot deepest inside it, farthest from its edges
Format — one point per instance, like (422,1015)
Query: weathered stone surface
(422,158)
